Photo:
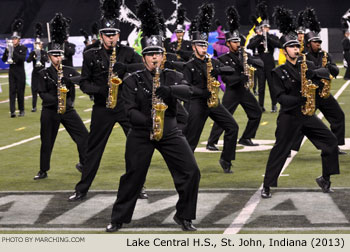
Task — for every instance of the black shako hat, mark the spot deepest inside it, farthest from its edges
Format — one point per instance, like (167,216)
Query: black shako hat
(285,21)
(233,23)
(152,41)
(17,27)
(109,22)
(261,11)
(58,34)
(312,23)
(200,27)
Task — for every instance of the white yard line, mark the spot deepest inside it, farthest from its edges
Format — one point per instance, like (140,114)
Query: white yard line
(238,223)
(30,139)
(26,98)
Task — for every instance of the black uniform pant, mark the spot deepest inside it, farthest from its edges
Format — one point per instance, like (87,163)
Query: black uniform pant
(288,127)
(264,75)
(180,161)
(332,111)
(231,99)
(198,115)
(34,87)
(347,72)
(102,123)
(50,122)
(17,83)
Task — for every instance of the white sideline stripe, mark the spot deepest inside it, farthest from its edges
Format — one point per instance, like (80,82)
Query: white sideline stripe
(250,206)
(25,97)
(30,139)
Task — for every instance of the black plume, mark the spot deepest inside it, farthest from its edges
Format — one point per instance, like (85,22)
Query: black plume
(284,20)
(94,28)
(161,22)
(58,29)
(261,10)
(194,25)
(232,18)
(38,30)
(300,19)
(110,9)
(146,11)
(84,33)
(181,13)
(17,25)
(344,23)
(205,16)
(311,20)
(254,20)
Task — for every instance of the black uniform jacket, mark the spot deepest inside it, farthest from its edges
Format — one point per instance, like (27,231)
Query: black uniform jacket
(94,78)
(195,72)
(185,51)
(316,58)
(287,81)
(19,56)
(235,61)
(137,95)
(33,58)
(47,87)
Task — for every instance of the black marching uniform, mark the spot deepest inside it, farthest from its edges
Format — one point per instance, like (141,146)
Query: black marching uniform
(346,51)
(94,81)
(50,120)
(236,93)
(185,52)
(291,121)
(69,51)
(35,74)
(173,146)
(195,72)
(256,43)
(17,77)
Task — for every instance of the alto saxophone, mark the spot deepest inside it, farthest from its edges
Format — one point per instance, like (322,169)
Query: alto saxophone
(308,90)
(113,83)
(61,91)
(248,70)
(179,43)
(158,110)
(213,86)
(326,90)
(301,49)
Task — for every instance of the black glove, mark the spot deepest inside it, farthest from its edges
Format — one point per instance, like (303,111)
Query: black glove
(104,90)
(244,78)
(168,64)
(163,92)
(206,94)
(310,74)
(302,100)
(119,68)
(149,122)
(215,72)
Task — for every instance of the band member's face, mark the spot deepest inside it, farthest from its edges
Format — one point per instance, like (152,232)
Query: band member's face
(347,34)
(258,31)
(200,50)
(179,35)
(300,36)
(315,46)
(152,60)
(15,41)
(291,52)
(110,41)
(56,60)
(234,46)
(267,29)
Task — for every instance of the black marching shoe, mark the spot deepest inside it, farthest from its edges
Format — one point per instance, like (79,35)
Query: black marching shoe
(33,109)
(247,142)
(324,184)
(143,194)
(77,196)
(79,167)
(21,113)
(186,225)
(274,109)
(340,152)
(13,115)
(113,227)
(265,192)
(226,166)
(212,147)
(40,175)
